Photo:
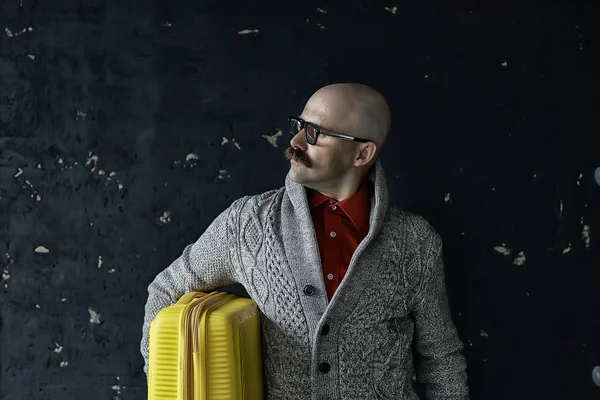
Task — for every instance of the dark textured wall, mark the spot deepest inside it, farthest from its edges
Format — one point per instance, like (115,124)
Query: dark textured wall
(126,127)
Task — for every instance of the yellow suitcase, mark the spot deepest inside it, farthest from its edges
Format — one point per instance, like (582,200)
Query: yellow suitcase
(206,347)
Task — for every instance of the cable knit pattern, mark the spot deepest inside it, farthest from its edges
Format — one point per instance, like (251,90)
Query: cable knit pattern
(392,298)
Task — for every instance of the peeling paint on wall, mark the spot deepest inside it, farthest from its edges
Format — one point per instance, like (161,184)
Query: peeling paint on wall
(585,235)
(41,250)
(248,31)
(273,138)
(520,259)
(165,218)
(223,174)
(11,34)
(567,249)
(94,316)
(393,10)
(190,157)
(502,249)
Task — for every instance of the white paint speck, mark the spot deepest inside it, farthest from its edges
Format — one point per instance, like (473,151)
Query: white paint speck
(94,316)
(31,56)
(484,333)
(191,157)
(116,388)
(5,275)
(112,173)
(41,250)
(322,11)
(426,76)
(273,138)
(111,271)
(579,179)
(321,26)
(63,299)
(100,261)
(567,249)
(60,160)
(236,144)
(39,198)
(91,159)
(393,10)
(534,176)
(19,172)
(63,364)
(225,141)
(527,294)
(502,249)
(165,218)
(58,348)
(166,24)
(101,172)
(585,235)
(520,259)
(80,115)
(223,174)
(247,31)
(447,198)
(504,63)
(560,209)
(37,306)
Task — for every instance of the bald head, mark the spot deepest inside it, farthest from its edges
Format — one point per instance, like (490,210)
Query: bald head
(353,109)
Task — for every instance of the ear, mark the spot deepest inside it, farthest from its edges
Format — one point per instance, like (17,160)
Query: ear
(365,154)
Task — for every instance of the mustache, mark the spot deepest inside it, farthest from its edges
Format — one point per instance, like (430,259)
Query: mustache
(290,153)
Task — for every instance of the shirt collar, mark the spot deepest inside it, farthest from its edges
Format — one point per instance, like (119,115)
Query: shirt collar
(357,207)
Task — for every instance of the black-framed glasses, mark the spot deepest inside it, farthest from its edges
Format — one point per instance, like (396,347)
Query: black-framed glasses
(312,131)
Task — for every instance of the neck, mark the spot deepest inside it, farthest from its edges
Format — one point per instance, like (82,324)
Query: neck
(340,189)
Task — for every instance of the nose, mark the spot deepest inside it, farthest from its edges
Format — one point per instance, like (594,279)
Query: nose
(298,141)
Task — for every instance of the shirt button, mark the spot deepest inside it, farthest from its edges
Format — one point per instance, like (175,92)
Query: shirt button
(309,290)
(334,208)
(332,234)
(330,276)
(324,368)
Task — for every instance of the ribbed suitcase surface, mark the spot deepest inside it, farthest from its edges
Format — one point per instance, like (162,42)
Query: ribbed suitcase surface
(206,347)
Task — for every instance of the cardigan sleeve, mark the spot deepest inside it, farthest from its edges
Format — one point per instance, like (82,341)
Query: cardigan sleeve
(441,366)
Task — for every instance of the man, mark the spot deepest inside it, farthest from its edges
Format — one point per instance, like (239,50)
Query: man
(347,285)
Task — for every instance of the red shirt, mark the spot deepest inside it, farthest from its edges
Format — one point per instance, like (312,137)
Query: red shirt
(340,227)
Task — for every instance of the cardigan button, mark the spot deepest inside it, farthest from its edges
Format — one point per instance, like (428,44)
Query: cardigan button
(324,368)
(309,290)
(325,329)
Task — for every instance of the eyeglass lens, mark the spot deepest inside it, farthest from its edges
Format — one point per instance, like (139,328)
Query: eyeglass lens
(296,126)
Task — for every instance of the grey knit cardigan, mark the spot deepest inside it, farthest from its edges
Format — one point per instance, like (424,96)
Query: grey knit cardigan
(356,346)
